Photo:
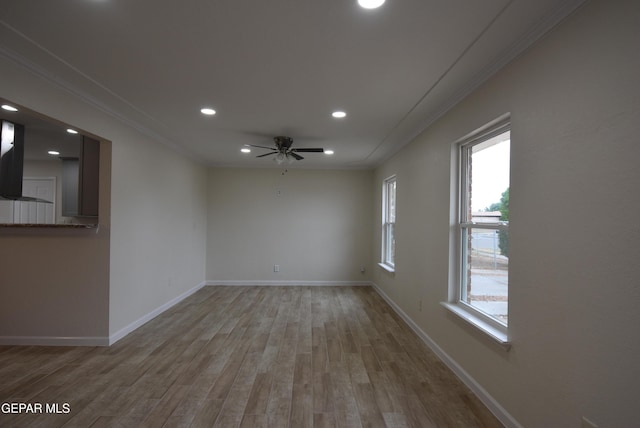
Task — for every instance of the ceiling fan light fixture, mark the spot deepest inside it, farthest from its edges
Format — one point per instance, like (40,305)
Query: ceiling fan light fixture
(208,111)
(245,150)
(371,4)
(339,114)
(280,158)
(328,152)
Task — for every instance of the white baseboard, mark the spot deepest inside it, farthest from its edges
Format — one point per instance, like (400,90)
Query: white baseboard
(495,407)
(95,341)
(271,283)
(54,341)
(108,341)
(151,315)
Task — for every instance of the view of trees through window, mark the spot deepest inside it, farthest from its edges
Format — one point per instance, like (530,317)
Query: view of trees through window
(503,208)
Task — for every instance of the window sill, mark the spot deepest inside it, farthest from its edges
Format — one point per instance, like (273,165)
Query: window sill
(386,267)
(492,332)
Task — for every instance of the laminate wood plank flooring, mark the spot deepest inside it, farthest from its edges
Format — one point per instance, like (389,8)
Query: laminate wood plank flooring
(248,357)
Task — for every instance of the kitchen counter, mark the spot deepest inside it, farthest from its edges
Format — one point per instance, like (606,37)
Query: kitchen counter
(48,226)
(63,229)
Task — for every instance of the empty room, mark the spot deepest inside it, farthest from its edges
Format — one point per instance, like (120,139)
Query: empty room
(347,213)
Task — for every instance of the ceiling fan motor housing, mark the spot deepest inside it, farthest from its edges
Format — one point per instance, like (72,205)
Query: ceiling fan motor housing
(283,143)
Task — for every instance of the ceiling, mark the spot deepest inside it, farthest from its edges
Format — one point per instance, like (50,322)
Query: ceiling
(277,67)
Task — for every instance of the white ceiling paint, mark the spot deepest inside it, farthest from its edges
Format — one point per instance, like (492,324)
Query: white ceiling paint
(277,67)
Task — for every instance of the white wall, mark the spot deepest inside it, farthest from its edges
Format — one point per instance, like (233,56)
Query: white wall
(573,306)
(158,239)
(574,100)
(314,224)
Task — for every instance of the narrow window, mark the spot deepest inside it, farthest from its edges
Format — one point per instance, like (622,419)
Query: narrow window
(483,225)
(388,223)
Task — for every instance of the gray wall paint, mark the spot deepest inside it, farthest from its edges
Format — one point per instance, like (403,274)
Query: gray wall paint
(574,101)
(150,247)
(159,225)
(314,224)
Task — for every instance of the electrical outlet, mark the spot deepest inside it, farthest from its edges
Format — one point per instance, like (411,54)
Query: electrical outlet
(586,423)
(276,268)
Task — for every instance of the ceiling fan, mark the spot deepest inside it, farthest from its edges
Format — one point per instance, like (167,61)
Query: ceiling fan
(283,150)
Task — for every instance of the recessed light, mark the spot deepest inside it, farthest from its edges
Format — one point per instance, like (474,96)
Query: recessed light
(338,114)
(208,111)
(7,107)
(328,152)
(72,131)
(53,153)
(245,150)
(370,4)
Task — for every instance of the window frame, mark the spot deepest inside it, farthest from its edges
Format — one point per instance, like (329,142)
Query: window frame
(462,225)
(387,257)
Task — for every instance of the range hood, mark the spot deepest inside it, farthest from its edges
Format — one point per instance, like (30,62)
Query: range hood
(11,163)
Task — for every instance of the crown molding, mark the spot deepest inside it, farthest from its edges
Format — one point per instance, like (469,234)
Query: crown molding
(37,70)
(550,21)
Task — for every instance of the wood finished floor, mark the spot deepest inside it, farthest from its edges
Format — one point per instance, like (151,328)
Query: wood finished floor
(248,357)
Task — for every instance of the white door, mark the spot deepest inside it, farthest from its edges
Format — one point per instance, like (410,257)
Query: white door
(36,212)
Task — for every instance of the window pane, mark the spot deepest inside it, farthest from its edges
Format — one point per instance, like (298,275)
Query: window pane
(486,276)
(488,173)
(391,244)
(485,260)
(389,214)
(391,192)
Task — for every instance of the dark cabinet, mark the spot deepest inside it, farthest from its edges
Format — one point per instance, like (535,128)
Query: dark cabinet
(80,181)
(89,177)
(70,177)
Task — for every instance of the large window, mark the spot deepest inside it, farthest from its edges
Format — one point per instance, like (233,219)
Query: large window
(388,223)
(482,285)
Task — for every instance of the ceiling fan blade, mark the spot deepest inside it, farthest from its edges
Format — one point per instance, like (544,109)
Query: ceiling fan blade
(261,147)
(316,150)
(295,155)
(266,154)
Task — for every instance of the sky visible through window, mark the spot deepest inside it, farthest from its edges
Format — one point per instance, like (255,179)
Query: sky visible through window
(490,171)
